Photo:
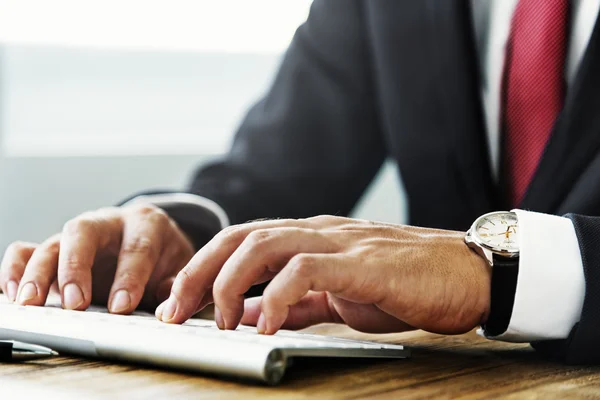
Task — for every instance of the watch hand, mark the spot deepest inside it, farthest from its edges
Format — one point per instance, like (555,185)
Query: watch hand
(494,234)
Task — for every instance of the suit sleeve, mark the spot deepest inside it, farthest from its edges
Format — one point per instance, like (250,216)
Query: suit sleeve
(582,345)
(312,144)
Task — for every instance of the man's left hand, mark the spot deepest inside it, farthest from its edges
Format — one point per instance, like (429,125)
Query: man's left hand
(374,277)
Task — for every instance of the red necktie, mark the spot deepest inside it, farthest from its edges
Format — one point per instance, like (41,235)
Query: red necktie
(534,87)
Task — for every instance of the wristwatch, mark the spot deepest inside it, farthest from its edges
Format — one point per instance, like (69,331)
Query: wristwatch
(495,237)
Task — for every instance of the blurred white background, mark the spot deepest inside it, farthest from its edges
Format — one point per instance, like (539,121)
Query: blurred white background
(100,99)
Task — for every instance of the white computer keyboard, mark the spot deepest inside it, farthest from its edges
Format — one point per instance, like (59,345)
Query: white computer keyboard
(195,345)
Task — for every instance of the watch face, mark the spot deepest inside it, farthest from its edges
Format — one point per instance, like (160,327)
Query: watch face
(498,231)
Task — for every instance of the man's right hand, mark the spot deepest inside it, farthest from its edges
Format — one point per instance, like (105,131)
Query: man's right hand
(122,257)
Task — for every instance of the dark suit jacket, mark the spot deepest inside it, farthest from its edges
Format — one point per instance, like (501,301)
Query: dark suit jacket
(366,80)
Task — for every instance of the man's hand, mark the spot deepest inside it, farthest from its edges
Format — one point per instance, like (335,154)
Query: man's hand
(116,256)
(374,277)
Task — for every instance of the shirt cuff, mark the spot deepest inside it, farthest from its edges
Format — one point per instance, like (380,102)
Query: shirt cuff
(550,285)
(170,199)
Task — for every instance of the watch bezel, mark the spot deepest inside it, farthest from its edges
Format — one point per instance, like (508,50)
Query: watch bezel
(473,238)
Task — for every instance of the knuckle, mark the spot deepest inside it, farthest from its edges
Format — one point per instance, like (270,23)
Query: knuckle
(325,219)
(261,238)
(19,247)
(186,277)
(302,265)
(140,245)
(15,259)
(145,209)
(78,226)
(159,218)
(287,221)
(230,235)
(73,263)
(52,247)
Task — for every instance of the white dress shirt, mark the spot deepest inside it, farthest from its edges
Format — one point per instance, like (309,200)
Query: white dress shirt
(551,285)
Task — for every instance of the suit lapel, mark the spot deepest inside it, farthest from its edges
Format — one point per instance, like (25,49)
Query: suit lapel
(575,139)
(459,83)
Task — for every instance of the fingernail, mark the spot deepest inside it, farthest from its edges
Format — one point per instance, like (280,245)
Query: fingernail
(261,325)
(169,309)
(159,310)
(28,292)
(72,296)
(11,290)
(121,301)
(219,318)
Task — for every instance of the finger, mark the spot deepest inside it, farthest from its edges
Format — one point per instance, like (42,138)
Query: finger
(144,235)
(174,257)
(304,272)
(318,307)
(80,241)
(366,317)
(206,300)
(13,265)
(251,311)
(171,260)
(263,251)
(40,273)
(199,274)
(314,308)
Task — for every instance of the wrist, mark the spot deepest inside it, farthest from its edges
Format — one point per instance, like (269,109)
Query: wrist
(483,286)
(494,237)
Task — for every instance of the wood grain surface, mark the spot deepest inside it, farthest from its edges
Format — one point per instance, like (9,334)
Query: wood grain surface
(464,366)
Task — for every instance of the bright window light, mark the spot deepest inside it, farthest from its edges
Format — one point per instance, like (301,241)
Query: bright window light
(200,25)
(135,77)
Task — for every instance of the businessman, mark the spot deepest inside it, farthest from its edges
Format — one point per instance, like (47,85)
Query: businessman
(485,105)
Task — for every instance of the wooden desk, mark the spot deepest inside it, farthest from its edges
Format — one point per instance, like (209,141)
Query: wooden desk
(464,366)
